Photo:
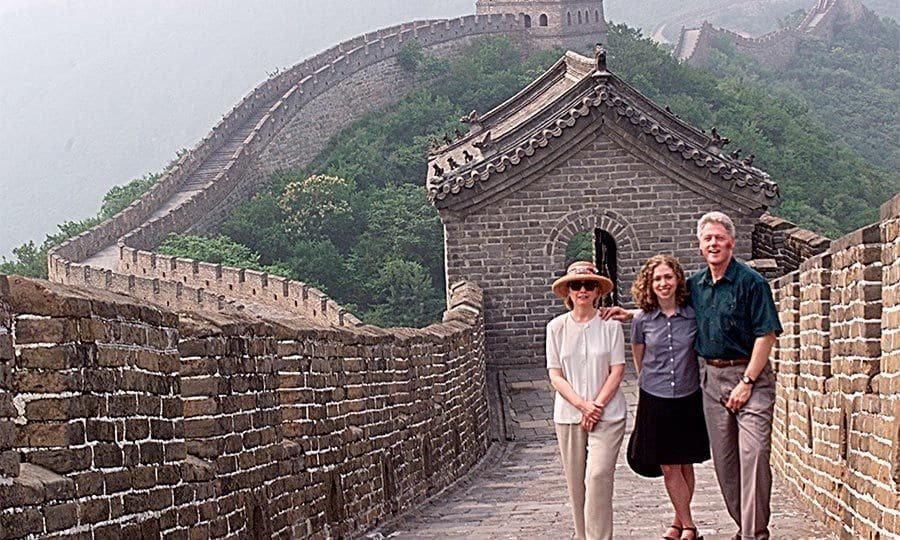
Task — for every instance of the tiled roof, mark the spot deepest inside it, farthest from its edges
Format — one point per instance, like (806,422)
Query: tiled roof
(574,88)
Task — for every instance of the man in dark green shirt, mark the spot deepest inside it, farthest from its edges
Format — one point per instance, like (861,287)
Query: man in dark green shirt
(737,324)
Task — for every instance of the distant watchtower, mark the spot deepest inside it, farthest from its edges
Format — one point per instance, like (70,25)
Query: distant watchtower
(572,24)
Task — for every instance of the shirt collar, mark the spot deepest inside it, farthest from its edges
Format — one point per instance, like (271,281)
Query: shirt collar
(679,311)
(730,273)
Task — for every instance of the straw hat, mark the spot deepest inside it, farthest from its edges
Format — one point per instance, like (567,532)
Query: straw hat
(581,271)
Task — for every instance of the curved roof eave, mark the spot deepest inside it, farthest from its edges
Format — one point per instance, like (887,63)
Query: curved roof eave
(477,156)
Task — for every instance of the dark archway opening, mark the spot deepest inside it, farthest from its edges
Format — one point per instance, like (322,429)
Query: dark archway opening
(542,20)
(606,259)
(527,21)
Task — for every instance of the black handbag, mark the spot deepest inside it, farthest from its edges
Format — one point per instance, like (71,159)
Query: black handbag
(633,456)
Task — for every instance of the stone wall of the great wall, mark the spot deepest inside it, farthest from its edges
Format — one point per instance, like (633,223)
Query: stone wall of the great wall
(281,124)
(837,421)
(296,112)
(123,420)
(775,49)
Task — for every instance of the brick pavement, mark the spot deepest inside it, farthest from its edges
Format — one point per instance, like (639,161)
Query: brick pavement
(518,491)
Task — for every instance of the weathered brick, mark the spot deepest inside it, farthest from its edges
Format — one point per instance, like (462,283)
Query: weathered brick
(60,516)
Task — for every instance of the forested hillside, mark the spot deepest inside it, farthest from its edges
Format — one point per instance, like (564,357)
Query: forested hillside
(850,84)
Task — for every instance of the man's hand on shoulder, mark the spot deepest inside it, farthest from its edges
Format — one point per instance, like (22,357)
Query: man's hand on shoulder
(617,313)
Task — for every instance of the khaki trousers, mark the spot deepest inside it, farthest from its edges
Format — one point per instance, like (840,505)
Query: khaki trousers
(741,444)
(589,461)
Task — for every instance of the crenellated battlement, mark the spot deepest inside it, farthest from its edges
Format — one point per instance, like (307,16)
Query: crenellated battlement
(123,419)
(774,48)
(837,418)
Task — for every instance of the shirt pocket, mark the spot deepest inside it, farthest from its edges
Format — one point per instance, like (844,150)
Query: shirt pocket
(728,309)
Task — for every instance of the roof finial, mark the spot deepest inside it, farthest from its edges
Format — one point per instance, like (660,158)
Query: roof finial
(717,139)
(471,118)
(600,56)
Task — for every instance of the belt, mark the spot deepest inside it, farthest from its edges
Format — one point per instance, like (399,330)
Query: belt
(718,362)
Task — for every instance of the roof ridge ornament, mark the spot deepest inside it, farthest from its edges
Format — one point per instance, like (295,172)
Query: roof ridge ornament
(600,57)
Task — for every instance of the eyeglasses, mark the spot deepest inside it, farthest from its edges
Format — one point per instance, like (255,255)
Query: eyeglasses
(586,285)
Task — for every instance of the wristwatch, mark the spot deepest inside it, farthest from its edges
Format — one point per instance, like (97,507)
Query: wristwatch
(747,380)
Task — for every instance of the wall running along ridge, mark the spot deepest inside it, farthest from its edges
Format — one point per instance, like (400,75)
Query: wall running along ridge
(774,49)
(281,124)
(124,420)
(837,415)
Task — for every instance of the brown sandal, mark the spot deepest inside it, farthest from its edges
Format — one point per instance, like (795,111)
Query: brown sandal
(693,531)
(677,528)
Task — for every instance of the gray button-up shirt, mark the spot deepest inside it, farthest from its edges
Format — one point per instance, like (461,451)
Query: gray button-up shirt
(670,368)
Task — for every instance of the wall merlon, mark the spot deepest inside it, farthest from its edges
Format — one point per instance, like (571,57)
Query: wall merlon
(891,209)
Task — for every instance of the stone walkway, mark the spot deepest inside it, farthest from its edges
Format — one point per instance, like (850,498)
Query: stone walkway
(518,491)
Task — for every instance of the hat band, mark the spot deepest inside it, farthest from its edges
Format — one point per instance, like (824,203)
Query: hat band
(582,270)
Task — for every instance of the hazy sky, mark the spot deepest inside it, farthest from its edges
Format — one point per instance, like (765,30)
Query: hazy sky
(94,93)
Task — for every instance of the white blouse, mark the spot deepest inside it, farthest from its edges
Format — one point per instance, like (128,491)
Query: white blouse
(585,352)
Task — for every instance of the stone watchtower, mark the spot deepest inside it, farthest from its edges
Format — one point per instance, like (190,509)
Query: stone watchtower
(578,152)
(572,24)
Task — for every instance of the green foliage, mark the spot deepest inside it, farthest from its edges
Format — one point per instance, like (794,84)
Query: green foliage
(319,207)
(31,260)
(214,249)
(356,223)
(405,295)
(848,84)
(825,186)
(411,56)
(580,248)
(119,197)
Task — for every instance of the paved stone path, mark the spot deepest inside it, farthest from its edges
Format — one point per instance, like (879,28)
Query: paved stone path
(518,491)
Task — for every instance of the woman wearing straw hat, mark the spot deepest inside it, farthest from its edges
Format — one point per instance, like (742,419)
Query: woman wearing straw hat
(669,429)
(586,360)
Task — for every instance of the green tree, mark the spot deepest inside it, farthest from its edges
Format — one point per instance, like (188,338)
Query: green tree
(580,248)
(214,249)
(406,296)
(318,207)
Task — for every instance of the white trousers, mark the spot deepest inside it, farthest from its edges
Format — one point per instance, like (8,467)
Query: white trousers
(589,462)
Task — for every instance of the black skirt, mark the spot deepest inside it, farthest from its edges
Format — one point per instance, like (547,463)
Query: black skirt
(667,431)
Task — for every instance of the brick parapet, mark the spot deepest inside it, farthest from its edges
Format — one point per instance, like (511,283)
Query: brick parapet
(223,282)
(890,278)
(97,427)
(836,433)
(9,459)
(786,243)
(132,421)
(855,331)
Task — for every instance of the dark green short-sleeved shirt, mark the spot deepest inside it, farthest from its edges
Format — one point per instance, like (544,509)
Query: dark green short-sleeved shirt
(732,313)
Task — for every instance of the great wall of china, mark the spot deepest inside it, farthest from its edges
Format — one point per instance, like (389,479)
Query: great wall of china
(264,409)
(773,49)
